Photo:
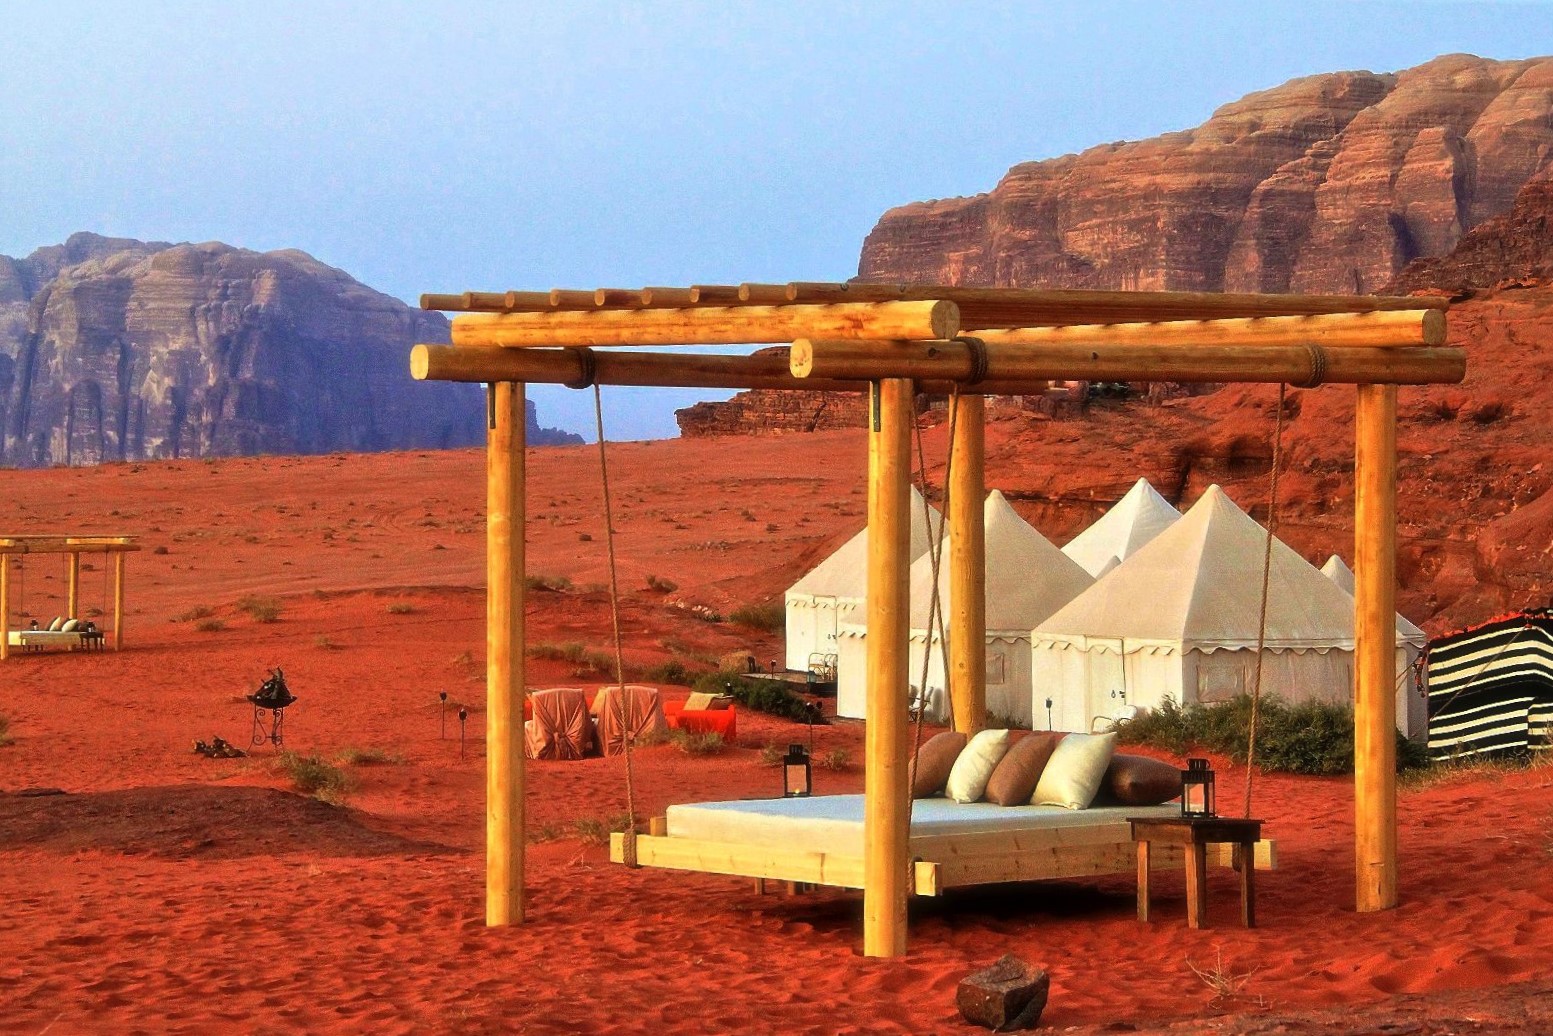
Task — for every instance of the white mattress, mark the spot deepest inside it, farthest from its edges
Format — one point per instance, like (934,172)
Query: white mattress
(834,823)
(44,638)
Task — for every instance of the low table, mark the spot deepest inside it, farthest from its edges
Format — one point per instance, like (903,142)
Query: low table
(1194,835)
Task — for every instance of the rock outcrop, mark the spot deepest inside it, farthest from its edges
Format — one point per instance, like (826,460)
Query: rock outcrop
(112,349)
(1330,183)
(1517,246)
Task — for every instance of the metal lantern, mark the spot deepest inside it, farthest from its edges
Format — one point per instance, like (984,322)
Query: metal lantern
(797,775)
(1197,790)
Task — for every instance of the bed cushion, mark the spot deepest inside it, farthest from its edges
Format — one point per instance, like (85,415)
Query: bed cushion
(70,626)
(1018,772)
(968,779)
(1075,771)
(1137,780)
(59,620)
(934,761)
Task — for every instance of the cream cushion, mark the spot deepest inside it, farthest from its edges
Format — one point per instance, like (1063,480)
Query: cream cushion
(70,626)
(971,771)
(1075,770)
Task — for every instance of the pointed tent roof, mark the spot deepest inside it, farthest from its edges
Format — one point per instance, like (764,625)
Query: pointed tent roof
(1337,570)
(1133,521)
(1198,584)
(845,573)
(1028,578)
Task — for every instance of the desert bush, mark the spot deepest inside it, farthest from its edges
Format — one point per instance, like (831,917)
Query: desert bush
(210,626)
(693,743)
(770,616)
(673,672)
(836,759)
(311,775)
(553,584)
(160,548)
(595,831)
(354,756)
(322,642)
(260,609)
(400,608)
(199,611)
(771,755)
(1307,737)
(662,586)
(767,696)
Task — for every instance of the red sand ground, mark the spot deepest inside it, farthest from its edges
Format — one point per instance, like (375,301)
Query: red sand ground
(171,893)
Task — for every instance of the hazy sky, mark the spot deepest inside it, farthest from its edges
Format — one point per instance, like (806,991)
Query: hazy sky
(445,147)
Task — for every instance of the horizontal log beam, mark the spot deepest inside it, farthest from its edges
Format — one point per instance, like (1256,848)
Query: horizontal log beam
(766,370)
(67,545)
(1329,330)
(1297,365)
(722,325)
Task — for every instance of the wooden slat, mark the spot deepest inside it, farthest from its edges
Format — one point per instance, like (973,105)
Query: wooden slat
(720,325)
(714,294)
(689,854)
(765,294)
(1329,330)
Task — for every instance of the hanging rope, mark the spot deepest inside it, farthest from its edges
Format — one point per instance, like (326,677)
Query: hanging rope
(935,620)
(629,840)
(1267,569)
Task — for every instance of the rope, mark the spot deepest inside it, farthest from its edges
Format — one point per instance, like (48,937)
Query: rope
(1267,568)
(629,841)
(935,602)
(978,351)
(1318,366)
(588,377)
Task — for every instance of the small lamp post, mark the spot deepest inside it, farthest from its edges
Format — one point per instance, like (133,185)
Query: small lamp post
(442,716)
(1197,790)
(797,774)
(463,714)
(1048,713)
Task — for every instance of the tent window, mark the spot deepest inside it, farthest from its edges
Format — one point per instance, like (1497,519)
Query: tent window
(1218,683)
(997,668)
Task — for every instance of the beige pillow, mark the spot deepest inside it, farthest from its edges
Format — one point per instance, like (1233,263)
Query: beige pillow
(70,626)
(698,702)
(968,779)
(1075,770)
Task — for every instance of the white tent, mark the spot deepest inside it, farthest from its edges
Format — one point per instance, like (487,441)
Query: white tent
(1179,619)
(1411,641)
(821,601)
(1027,579)
(1133,521)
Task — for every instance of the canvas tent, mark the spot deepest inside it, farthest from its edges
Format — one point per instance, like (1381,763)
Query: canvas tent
(1178,619)
(1491,687)
(1133,521)
(1027,579)
(821,601)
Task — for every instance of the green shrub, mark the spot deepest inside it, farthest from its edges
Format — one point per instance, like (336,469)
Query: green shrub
(592,831)
(673,671)
(771,755)
(1308,737)
(835,759)
(767,696)
(771,616)
(692,743)
(210,626)
(311,775)
(354,756)
(260,609)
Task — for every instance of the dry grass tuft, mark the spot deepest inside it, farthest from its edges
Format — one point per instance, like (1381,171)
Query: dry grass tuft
(354,756)
(311,775)
(1226,985)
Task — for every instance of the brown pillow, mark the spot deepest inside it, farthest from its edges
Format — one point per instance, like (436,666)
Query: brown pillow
(1137,780)
(1012,783)
(934,761)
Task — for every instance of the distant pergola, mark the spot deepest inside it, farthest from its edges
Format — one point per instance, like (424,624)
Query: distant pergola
(72,547)
(893,341)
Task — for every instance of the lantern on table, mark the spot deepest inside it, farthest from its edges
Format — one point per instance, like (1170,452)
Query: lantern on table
(797,776)
(1197,790)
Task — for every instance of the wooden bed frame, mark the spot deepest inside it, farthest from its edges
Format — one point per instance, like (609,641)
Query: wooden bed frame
(939,862)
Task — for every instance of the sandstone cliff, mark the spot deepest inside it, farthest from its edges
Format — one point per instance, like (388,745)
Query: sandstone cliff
(112,349)
(1517,246)
(1330,183)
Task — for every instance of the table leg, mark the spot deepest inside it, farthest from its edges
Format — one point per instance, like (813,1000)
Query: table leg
(1143,881)
(1248,884)
(1196,885)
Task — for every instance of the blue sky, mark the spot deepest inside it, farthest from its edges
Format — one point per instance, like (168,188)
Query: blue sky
(443,147)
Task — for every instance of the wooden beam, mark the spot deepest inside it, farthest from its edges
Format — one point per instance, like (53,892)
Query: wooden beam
(720,325)
(567,300)
(984,308)
(1375,582)
(1328,330)
(738,859)
(5,606)
(764,370)
(1298,365)
(714,294)
(118,602)
(967,619)
(764,294)
(886,808)
(504,632)
(72,586)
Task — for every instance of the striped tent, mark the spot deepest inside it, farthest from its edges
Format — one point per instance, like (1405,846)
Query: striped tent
(1491,687)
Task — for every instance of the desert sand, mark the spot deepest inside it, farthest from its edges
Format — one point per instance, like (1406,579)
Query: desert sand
(167,892)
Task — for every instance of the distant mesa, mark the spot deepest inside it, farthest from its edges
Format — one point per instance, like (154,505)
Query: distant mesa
(114,349)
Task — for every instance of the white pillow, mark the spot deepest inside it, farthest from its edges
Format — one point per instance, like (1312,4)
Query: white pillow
(1075,770)
(70,626)
(968,777)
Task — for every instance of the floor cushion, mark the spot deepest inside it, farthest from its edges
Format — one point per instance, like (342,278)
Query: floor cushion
(1075,770)
(1018,772)
(934,761)
(981,755)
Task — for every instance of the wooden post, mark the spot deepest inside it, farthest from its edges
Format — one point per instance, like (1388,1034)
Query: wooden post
(1375,558)
(968,566)
(118,600)
(5,606)
(504,677)
(73,585)
(887,797)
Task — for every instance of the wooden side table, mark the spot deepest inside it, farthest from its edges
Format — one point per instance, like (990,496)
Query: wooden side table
(1194,835)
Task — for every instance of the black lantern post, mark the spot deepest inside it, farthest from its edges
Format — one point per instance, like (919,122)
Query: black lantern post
(797,774)
(1197,790)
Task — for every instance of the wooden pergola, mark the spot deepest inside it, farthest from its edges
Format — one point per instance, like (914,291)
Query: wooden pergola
(72,547)
(893,341)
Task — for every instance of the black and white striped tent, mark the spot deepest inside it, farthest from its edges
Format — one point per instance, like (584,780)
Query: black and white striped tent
(1491,687)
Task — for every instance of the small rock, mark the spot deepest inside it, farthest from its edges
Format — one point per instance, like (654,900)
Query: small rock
(1008,995)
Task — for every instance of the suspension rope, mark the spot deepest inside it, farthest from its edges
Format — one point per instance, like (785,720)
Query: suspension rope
(935,602)
(1267,568)
(629,840)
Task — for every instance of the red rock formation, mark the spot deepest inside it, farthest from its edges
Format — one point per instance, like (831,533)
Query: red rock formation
(1330,183)
(1517,245)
